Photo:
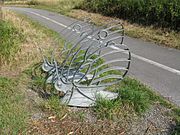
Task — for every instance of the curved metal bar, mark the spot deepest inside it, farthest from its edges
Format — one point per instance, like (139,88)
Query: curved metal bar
(83,94)
(98,85)
(105,78)
(111,69)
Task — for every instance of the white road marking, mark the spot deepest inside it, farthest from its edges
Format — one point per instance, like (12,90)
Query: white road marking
(153,62)
(62,25)
(175,71)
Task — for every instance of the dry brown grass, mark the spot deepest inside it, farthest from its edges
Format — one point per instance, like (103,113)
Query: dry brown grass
(71,126)
(17,2)
(60,6)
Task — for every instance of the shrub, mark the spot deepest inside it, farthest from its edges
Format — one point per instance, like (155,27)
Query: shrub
(32,2)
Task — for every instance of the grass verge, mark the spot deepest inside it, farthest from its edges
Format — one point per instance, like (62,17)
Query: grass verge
(137,96)
(20,39)
(29,51)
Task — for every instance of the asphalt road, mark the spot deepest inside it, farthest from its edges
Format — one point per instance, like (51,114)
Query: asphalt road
(155,66)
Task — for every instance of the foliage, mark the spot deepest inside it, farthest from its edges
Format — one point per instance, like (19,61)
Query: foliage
(165,13)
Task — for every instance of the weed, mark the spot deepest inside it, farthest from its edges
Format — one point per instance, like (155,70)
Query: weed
(133,96)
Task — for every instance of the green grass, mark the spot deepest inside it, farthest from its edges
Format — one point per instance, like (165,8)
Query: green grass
(106,109)
(13,115)
(133,96)
(134,99)
(10,41)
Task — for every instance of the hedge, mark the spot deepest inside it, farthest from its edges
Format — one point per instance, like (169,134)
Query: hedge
(163,13)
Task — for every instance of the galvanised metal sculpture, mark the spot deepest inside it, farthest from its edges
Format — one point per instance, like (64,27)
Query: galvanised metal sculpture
(94,59)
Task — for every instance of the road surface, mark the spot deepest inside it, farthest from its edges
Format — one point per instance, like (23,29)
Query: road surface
(155,66)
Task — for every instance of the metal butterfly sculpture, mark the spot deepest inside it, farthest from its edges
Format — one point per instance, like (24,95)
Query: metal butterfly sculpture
(94,59)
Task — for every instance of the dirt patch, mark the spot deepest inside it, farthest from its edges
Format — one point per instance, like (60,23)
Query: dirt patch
(70,125)
(84,121)
(156,121)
